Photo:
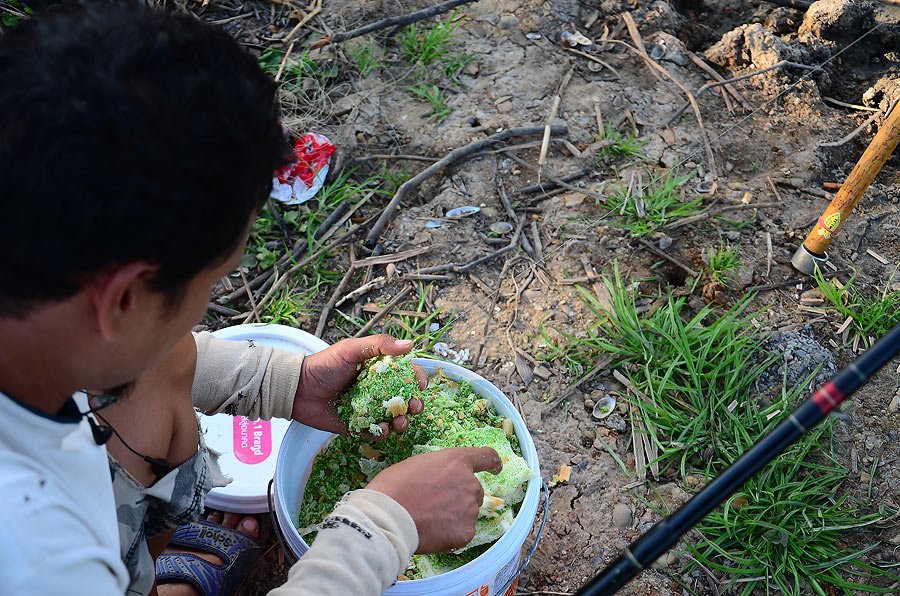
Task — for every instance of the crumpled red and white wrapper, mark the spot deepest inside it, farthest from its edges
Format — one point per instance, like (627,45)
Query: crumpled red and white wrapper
(299,181)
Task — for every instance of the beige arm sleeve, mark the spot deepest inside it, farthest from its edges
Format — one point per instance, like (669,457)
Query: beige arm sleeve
(243,378)
(361,548)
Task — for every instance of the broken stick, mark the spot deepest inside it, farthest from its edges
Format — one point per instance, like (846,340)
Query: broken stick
(457,154)
(399,21)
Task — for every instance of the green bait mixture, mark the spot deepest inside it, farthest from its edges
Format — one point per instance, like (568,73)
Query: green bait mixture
(381,392)
(454,416)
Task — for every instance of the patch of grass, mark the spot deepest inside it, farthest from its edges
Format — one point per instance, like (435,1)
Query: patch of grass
(12,12)
(292,302)
(873,313)
(454,63)
(661,202)
(367,57)
(624,146)
(432,95)
(286,306)
(423,46)
(722,261)
(425,331)
(297,68)
(786,528)
(393,179)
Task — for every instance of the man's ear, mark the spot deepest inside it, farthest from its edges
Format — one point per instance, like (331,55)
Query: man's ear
(117,294)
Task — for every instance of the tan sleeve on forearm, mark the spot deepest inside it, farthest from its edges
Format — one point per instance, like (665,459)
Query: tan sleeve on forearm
(243,378)
(361,548)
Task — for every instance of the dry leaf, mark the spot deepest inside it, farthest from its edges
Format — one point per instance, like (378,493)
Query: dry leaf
(572,199)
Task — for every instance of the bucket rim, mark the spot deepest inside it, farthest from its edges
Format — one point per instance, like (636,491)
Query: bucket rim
(528,508)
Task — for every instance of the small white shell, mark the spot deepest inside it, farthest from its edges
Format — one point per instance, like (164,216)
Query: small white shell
(433,223)
(605,406)
(573,39)
(463,211)
(658,51)
(705,187)
(501,227)
(533,36)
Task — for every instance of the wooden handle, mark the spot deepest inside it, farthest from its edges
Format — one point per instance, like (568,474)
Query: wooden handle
(865,170)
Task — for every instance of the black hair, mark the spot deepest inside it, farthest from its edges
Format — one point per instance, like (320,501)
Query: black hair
(126,134)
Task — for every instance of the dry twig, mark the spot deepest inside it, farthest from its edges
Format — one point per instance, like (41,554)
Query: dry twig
(554,110)
(668,257)
(384,312)
(397,21)
(555,180)
(454,156)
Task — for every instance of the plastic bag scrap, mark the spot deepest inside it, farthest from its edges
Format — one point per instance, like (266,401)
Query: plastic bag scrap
(299,181)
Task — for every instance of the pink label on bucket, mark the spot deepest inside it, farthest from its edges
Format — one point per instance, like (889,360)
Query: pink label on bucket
(252,440)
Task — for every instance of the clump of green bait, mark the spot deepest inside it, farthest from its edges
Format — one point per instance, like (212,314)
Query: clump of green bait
(381,392)
(454,416)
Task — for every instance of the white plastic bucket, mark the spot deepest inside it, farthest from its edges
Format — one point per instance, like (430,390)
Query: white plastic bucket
(492,573)
(249,448)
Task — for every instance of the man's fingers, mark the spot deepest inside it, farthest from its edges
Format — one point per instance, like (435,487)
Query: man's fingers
(415,406)
(385,433)
(361,349)
(399,424)
(421,376)
(484,459)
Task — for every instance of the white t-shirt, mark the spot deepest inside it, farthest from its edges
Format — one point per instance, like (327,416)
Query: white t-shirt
(58,528)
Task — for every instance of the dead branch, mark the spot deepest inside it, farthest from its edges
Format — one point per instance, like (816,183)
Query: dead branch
(551,116)
(546,186)
(375,309)
(648,246)
(342,285)
(719,78)
(742,77)
(222,310)
(555,180)
(602,364)
(490,314)
(593,58)
(398,21)
(716,211)
(454,156)
(392,258)
(384,312)
(253,310)
(692,101)
(538,246)
(504,198)
(375,284)
(316,8)
(456,268)
(427,277)
(843,141)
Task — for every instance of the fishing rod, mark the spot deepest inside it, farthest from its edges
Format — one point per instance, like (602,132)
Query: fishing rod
(665,534)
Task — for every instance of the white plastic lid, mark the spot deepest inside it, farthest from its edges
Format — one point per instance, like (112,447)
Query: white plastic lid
(250,448)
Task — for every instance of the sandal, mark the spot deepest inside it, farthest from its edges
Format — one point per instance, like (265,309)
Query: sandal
(238,551)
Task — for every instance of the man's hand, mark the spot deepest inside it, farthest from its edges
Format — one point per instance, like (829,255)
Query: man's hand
(441,493)
(326,374)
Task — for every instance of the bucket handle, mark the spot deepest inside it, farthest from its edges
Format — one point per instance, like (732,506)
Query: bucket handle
(276,528)
(537,539)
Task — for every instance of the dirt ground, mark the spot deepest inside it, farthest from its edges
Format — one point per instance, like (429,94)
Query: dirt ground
(774,151)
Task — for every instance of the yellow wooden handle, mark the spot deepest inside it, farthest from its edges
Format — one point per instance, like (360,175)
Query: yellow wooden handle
(865,170)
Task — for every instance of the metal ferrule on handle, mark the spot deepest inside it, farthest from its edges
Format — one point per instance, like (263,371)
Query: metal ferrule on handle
(665,534)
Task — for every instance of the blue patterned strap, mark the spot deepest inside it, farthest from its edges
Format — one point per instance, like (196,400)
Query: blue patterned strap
(213,538)
(237,550)
(206,578)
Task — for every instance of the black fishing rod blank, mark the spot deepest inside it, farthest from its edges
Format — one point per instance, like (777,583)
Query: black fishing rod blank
(665,534)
